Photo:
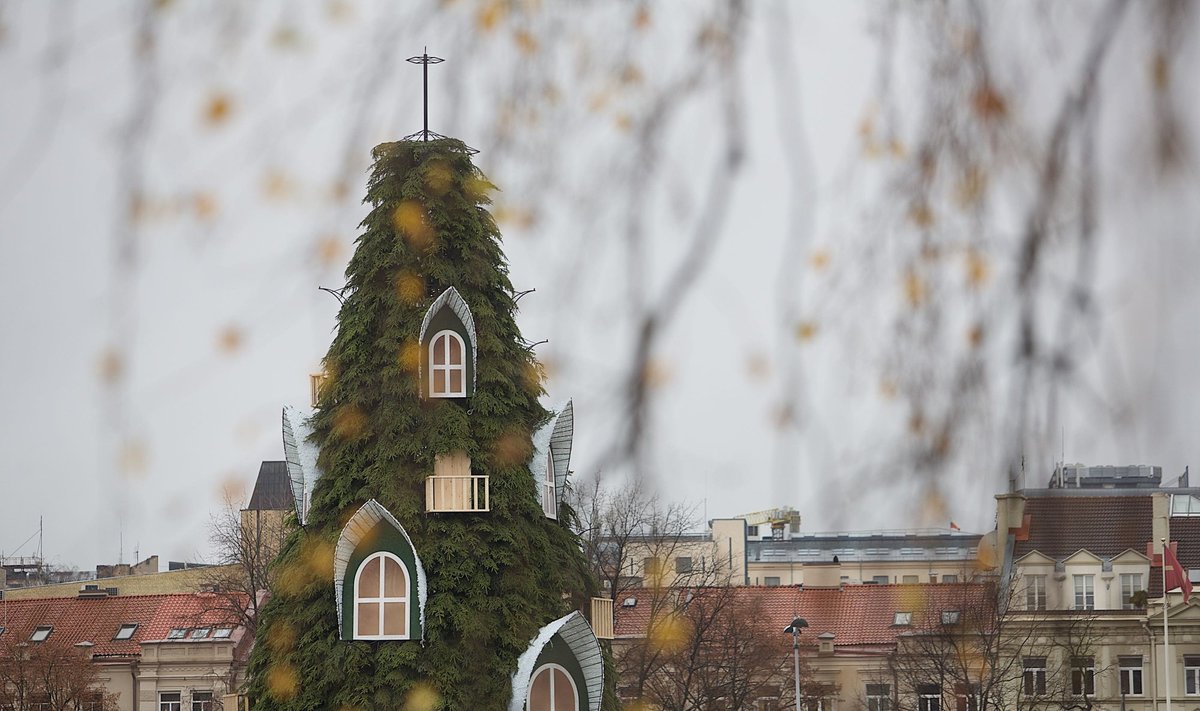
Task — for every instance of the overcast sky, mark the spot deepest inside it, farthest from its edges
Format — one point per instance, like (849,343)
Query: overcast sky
(125,447)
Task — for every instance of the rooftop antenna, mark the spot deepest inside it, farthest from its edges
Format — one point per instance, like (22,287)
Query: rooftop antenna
(425,60)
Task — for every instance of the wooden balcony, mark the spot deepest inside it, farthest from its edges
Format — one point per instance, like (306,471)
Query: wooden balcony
(449,494)
(602,617)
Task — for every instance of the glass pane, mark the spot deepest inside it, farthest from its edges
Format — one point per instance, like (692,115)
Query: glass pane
(455,351)
(539,692)
(368,579)
(368,618)
(564,695)
(439,381)
(439,350)
(395,620)
(393,579)
(456,378)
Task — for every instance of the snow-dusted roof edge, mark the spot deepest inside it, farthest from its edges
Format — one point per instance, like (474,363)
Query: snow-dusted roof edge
(450,297)
(556,435)
(577,633)
(301,456)
(359,525)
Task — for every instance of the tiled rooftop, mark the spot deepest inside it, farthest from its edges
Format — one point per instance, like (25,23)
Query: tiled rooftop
(858,615)
(1103,525)
(97,620)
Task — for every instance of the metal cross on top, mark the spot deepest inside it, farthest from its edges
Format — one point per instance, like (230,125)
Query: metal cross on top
(425,60)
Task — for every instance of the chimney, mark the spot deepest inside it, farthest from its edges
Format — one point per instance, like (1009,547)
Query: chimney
(822,575)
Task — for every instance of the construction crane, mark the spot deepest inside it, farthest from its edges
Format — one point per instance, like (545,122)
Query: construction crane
(778,518)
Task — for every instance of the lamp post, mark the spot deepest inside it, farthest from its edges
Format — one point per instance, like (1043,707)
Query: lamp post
(793,629)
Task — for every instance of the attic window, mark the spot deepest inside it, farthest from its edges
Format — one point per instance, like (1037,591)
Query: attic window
(201,633)
(949,617)
(177,633)
(629,602)
(222,632)
(447,366)
(41,633)
(903,619)
(126,631)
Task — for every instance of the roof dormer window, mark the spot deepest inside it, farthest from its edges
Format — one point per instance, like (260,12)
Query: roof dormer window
(448,348)
(902,619)
(41,633)
(447,366)
(126,631)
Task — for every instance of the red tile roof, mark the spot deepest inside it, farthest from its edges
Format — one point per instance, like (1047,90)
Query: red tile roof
(1107,526)
(858,615)
(97,620)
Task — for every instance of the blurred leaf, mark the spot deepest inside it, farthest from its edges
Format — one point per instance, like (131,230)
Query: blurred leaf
(218,108)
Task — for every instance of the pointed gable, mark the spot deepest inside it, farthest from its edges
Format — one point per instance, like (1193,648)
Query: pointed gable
(448,312)
(361,536)
(301,457)
(552,448)
(571,636)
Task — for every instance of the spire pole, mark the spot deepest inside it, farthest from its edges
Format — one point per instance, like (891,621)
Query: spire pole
(425,60)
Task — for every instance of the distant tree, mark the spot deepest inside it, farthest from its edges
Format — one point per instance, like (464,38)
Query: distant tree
(245,549)
(50,676)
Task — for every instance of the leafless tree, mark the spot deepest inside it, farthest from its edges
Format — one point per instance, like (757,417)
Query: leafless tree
(50,676)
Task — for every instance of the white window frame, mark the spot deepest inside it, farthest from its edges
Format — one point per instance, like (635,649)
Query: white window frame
(169,705)
(41,633)
(201,701)
(1083,676)
(1129,674)
(1035,592)
(1191,675)
(902,619)
(1130,583)
(126,631)
(1085,592)
(448,367)
(549,493)
(1033,676)
(545,668)
(929,700)
(381,599)
(881,700)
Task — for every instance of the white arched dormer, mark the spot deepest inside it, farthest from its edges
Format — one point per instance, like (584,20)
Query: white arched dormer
(378,580)
(551,459)
(566,646)
(448,348)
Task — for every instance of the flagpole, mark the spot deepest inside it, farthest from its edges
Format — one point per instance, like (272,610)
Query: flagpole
(1166,623)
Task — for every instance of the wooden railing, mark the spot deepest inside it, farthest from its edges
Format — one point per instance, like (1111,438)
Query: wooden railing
(602,617)
(456,493)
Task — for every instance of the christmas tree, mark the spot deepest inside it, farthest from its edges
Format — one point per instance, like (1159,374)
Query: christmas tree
(428,375)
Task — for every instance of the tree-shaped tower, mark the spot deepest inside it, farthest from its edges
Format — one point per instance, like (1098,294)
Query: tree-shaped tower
(434,560)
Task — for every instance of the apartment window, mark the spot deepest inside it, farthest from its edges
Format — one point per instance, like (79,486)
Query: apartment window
(170,701)
(880,579)
(40,702)
(652,566)
(1130,584)
(201,633)
(126,631)
(1085,593)
(1035,592)
(910,579)
(41,633)
(766,704)
(91,701)
(1131,675)
(929,697)
(902,619)
(879,697)
(223,633)
(949,578)
(1034,678)
(752,531)
(966,697)
(1083,676)
(202,701)
(1191,675)
(771,581)
(177,633)
(950,617)
(683,564)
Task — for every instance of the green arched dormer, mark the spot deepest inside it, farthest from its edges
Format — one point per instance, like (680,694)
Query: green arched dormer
(562,670)
(448,348)
(378,580)
(551,458)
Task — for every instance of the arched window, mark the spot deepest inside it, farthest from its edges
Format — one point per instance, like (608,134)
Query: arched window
(549,501)
(447,367)
(381,598)
(552,689)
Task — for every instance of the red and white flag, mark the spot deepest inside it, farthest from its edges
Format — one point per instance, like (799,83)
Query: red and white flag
(1176,576)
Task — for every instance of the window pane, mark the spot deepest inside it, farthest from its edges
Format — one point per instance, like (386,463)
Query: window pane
(564,695)
(368,580)
(368,618)
(539,693)
(395,620)
(439,350)
(455,350)
(439,381)
(456,380)
(393,579)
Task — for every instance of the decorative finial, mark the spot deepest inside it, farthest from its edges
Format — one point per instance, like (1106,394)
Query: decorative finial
(425,60)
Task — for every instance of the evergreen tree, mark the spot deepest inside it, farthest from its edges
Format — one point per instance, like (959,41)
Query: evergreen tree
(495,577)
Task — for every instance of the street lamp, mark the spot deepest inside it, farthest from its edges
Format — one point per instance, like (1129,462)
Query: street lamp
(793,629)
